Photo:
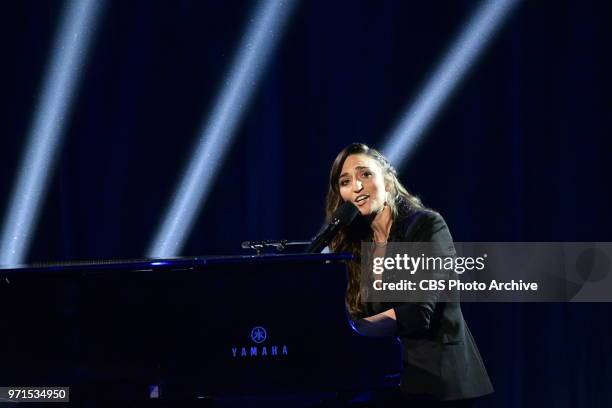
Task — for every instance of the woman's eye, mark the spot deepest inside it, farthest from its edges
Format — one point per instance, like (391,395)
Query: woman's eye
(344,183)
(366,174)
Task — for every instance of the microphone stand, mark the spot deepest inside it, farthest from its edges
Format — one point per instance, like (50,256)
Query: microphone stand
(278,245)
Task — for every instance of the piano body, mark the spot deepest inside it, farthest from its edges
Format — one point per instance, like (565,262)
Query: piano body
(189,328)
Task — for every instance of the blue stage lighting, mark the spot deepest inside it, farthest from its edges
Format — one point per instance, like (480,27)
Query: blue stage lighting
(45,135)
(218,130)
(451,70)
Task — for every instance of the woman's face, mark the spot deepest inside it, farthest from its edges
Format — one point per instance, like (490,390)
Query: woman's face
(361,181)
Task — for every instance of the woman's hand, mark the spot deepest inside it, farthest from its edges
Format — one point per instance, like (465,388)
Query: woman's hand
(382,324)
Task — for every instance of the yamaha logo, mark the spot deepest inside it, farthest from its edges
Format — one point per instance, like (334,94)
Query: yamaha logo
(258,336)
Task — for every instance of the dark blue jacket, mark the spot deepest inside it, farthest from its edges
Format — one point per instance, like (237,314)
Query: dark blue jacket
(440,356)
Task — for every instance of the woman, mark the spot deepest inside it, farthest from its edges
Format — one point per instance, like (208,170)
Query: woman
(442,366)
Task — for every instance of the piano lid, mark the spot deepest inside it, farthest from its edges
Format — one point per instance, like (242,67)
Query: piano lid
(178,263)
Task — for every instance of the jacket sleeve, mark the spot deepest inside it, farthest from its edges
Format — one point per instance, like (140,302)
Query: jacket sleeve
(414,319)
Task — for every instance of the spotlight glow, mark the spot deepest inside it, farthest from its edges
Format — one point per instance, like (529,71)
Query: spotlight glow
(217,132)
(45,134)
(454,66)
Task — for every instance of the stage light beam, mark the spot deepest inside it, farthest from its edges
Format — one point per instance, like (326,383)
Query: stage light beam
(51,114)
(217,131)
(451,70)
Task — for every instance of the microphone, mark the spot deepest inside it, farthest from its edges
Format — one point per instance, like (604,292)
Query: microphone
(343,216)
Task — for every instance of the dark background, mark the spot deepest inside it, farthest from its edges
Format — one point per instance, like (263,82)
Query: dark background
(520,153)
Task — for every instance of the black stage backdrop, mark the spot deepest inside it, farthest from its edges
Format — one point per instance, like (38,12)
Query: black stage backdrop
(521,152)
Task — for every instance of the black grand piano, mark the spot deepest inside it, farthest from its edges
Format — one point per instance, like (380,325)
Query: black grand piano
(213,328)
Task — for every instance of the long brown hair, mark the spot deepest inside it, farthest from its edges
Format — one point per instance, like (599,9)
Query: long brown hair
(349,239)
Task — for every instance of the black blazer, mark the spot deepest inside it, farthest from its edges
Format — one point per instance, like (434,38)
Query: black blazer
(440,356)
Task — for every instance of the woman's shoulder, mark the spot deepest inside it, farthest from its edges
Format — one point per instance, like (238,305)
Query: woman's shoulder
(413,223)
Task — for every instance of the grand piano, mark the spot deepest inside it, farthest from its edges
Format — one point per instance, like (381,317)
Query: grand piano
(202,328)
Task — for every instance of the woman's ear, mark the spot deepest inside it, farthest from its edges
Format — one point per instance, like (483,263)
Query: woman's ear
(388,185)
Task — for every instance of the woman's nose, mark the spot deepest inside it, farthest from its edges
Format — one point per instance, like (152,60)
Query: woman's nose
(357,186)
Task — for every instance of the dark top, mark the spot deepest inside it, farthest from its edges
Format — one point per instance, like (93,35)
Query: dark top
(439,353)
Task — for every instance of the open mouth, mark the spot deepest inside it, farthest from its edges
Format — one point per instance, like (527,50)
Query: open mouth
(361,199)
